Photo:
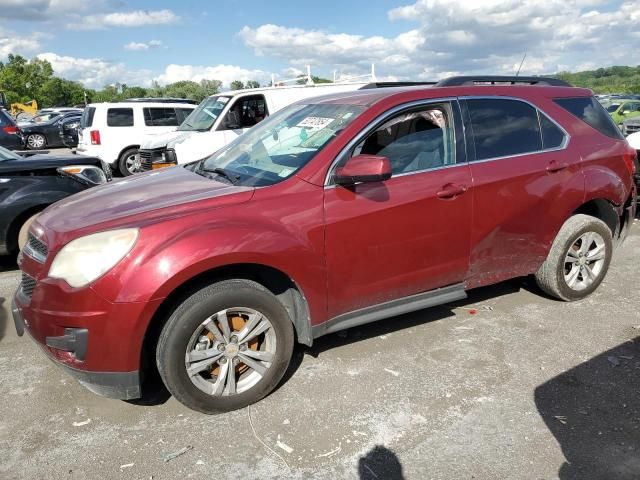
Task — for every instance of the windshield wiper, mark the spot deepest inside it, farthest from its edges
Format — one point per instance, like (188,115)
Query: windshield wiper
(232,177)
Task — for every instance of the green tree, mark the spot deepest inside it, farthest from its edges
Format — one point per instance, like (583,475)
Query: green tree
(237,85)
(57,92)
(22,79)
(302,79)
(211,87)
(252,84)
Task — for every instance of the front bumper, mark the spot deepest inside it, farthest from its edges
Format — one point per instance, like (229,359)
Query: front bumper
(98,342)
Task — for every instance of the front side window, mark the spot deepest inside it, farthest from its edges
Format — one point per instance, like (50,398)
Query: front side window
(204,116)
(279,146)
(503,128)
(120,117)
(612,108)
(245,113)
(415,140)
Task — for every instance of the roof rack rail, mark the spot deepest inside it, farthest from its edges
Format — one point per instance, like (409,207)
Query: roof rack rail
(497,79)
(160,100)
(395,84)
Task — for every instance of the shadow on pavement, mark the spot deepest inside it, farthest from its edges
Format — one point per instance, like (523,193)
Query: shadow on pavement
(593,410)
(380,462)
(8,263)
(409,320)
(3,318)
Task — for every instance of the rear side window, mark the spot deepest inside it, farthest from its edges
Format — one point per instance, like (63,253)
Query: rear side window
(502,128)
(87,117)
(160,117)
(589,110)
(120,117)
(552,135)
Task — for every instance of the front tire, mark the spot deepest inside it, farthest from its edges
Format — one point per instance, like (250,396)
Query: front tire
(36,141)
(225,347)
(578,260)
(129,162)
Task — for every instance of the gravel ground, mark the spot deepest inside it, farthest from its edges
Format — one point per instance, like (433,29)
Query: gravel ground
(507,384)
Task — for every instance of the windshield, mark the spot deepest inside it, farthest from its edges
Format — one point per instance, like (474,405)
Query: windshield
(612,108)
(7,155)
(280,145)
(45,117)
(204,115)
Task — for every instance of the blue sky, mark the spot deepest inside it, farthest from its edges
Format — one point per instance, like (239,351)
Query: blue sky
(135,42)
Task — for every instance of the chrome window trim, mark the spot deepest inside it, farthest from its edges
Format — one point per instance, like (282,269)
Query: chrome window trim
(379,120)
(539,111)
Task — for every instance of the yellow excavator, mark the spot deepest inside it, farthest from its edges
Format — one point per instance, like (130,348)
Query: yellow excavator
(19,111)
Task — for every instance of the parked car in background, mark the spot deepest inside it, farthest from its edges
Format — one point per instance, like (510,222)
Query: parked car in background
(68,131)
(114,131)
(28,184)
(331,213)
(631,125)
(634,141)
(221,118)
(624,111)
(46,134)
(10,136)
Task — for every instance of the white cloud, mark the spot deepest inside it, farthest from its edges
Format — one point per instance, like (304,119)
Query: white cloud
(95,72)
(225,73)
(12,43)
(142,46)
(458,36)
(37,10)
(137,18)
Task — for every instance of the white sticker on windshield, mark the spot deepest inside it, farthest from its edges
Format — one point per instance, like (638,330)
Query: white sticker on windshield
(315,122)
(223,99)
(285,172)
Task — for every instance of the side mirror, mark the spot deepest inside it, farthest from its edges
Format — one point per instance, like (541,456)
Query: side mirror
(363,168)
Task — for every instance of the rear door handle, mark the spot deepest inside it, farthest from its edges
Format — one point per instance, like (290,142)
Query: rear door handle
(451,191)
(554,166)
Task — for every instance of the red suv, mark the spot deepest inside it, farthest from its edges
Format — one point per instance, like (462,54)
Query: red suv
(334,212)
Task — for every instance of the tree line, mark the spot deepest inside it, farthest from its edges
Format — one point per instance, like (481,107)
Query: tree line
(23,80)
(606,80)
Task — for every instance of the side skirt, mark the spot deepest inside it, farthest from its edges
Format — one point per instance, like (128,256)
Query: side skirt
(392,308)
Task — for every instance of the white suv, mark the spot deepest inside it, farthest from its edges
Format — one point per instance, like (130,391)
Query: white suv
(114,131)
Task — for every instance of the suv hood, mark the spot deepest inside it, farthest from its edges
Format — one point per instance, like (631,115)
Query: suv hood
(162,140)
(139,199)
(45,162)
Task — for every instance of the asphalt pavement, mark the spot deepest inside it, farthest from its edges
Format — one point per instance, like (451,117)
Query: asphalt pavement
(506,384)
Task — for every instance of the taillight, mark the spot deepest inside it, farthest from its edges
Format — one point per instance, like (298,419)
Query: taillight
(11,129)
(95,137)
(630,157)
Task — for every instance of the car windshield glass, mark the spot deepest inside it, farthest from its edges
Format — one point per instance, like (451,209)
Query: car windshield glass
(7,155)
(45,117)
(612,108)
(279,146)
(204,115)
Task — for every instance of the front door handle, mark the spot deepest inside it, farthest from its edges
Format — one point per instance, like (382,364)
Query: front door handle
(554,166)
(451,191)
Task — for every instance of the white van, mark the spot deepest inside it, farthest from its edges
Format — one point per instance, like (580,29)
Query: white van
(221,118)
(113,131)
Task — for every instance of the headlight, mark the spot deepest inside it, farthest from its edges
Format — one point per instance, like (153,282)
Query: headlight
(85,259)
(86,173)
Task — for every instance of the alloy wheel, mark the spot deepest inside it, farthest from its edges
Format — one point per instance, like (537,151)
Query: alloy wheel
(230,351)
(585,261)
(133,163)
(36,141)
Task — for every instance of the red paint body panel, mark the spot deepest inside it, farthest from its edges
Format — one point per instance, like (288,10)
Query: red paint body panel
(344,247)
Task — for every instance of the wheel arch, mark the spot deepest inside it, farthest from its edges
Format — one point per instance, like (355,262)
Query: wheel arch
(286,290)
(128,147)
(604,210)
(16,223)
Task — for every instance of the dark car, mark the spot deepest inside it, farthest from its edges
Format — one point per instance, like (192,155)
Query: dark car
(30,184)
(10,136)
(68,130)
(46,134)
(333,212)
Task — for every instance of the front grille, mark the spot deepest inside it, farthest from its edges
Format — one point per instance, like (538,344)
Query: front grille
(27,285)
(633,128)
(145,159)
(36,248)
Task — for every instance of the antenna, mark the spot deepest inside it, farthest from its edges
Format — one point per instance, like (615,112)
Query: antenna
(525,56)
(309,79)
(373,72)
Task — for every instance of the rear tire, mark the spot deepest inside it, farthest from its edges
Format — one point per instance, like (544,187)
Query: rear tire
(212,368)
(129,162)
(578,260)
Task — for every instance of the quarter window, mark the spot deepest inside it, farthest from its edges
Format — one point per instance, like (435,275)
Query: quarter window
(502,128)
(589,110)
(414,140)
(120,117)
(552,136)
